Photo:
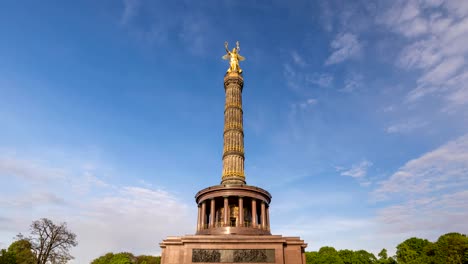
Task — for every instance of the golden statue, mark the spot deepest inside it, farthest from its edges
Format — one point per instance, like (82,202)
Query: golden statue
(234,58)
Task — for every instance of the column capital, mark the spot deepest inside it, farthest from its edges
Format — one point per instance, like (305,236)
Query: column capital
(233,78)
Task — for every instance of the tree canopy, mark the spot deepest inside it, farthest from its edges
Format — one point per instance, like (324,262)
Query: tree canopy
(126,258)
(451,248)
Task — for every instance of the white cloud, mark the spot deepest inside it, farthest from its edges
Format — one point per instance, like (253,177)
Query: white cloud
(30,170)
(297,59)
(352,82)
(427,196)
(132,219)
(443,169)
(405,127)
(300,79)
(437,45)
(106,217)
(320,79)
(32,200)
(442,72)
(429,215)
(358,170)
(304,104)
(421,54)
(345,46)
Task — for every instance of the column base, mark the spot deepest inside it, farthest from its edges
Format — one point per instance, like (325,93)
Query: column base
(233,249)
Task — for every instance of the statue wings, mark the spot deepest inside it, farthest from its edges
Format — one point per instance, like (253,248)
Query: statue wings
(227,57)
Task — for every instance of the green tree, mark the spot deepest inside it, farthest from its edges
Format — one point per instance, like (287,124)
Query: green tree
(119,258)
(7,257)
(347,256)
(451,248)
(103,259)
(143,259)
(311,256)
(383,254)
(364,257)
(411,250)
(327,255)
(23,252)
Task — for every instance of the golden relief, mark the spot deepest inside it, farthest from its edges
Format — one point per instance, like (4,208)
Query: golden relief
(233,173)
(234,57)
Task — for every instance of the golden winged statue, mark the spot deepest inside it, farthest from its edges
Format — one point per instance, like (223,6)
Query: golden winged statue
(234,58)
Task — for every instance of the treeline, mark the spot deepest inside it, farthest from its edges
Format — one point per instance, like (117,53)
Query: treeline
(451,248)
(126,258)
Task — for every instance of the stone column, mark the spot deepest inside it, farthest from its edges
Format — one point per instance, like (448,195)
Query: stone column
(212,213)
(254,212)
(263,215)
(199,218)
(268,217)
(203,209)
(233,149)
(241,211)
(226,211)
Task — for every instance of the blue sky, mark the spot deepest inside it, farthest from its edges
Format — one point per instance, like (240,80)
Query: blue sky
(355,117)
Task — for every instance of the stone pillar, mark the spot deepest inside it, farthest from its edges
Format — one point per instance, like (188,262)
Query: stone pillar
(199,218)
(254,212)
(212,213)
(241,211)
(233,149)
(226,211)
(203,209)
(268,217)
(263,215)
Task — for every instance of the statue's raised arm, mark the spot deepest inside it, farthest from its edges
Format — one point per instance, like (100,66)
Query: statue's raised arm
(234,58)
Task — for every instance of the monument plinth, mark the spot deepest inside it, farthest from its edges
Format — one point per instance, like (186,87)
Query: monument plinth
(233,224)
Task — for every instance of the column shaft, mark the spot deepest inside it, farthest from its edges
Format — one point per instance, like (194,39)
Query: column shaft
(199,218)
(263,215)
(241,212)
(254,212)
(268,217)
(226,211)
(233,149)
(212,213)
(203,216)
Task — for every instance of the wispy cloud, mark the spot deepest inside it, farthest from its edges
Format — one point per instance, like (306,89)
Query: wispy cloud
(358,170)
(193,33)
(345,46)
(101,213)
(30,170)
(437,32)
(352,82)
(320,79)
(299,76)
(130,10)
(405,127)
(443,169)
(304,104)
(297,59)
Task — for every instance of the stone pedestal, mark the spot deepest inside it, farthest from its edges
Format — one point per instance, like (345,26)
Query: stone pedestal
(240,249)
